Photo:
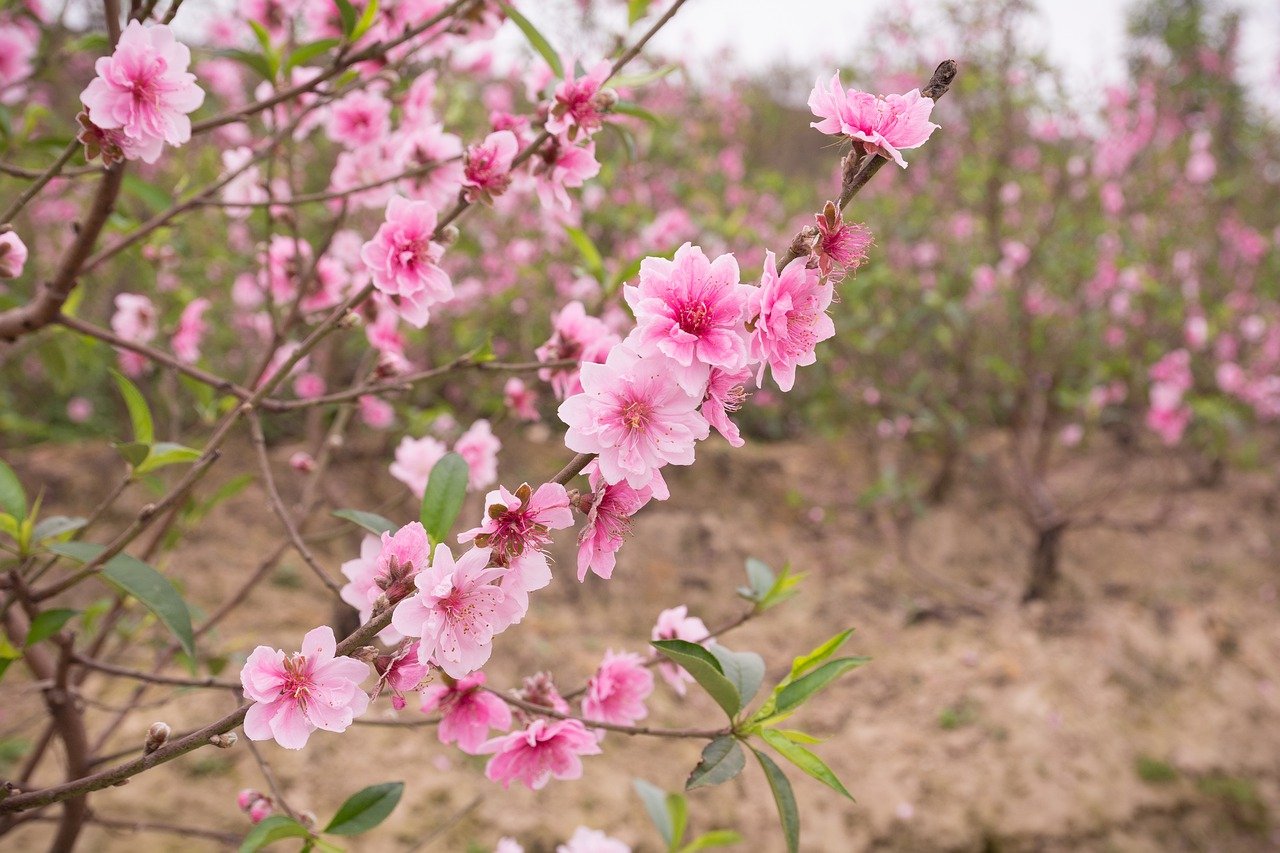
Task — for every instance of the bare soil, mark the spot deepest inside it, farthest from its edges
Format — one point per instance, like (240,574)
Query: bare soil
(1138,710)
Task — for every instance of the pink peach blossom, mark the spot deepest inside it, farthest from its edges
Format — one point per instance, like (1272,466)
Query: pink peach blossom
(577,108)
(404,260)
(726,392)
(479,447)
(521,400)
(308,690)
(635,416)
(789,312)
(358,119)
(457,611)
(609,520)
(522,521)
(884,126)
(690,309)
(467,711)
(533,756)
(616,693)
(676,624)
(13,255)
(144,90)
(415,457)
(575,336)
(487,166)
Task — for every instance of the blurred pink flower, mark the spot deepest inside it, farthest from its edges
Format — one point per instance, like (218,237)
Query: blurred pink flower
(676,624)
(487,172)
(308,690)
(521,400)
(358,119)
(415,457)
(585,840)
(578,336)
(616,693)
(577,106)
(404,260)
(479,447)
(609,520)
(13,255)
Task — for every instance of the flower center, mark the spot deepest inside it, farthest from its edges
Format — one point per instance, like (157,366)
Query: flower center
(693,317)
(297,683)
(636,414)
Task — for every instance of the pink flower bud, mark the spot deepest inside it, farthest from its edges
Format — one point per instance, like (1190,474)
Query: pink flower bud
(260,810)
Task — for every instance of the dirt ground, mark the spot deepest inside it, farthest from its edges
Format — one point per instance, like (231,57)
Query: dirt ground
(1137,711)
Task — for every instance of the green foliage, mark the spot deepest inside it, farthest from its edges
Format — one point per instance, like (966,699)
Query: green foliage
(366,809)
(705,669)
(670,814)
(442,500)
(370,521)
(722,759)
(536,40)
(1153,771)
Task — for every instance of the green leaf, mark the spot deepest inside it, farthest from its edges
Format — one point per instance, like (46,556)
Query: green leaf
(784,797)
(714,838)
(155,198)
(134,452)
(655,803)
(271,829)
(13,498)
(678,806)
(254,61)
(134,577)
(56,525)
(536,39)
(167,453)
(804,663)
(637,111)
(642,78)
(795,693)
(587,248)
(8,654)
(745,670)
(442,501)
(47,624)
(366,20)
(139,412)
(10,526)
(705,669)
(347,16)
(636,10)
(722,759)
(760,579)
(797,737)
(805,760)
(310,51)
(366,809)
(370,521)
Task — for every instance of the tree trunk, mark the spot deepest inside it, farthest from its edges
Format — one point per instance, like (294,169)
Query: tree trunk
(1044,563)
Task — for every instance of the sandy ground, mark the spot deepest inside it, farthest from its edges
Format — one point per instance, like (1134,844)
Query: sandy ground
(1139,710)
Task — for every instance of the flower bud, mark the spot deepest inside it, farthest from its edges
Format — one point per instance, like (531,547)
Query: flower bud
(605,99)
(224,741)
(260,809)
(156,737)
(449,235)
(246,798)
(302,462)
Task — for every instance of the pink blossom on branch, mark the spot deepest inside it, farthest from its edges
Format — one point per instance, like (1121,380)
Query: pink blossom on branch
(404,260)
(358,119)
(616,693)
(609,513)
(884,126)
(307,690)
(690,309)
(415,457)
(13,255)
(520,521)
(578,105)
(521,400)
(135,321)
(479,447)
(726,392)
(790,320)
(487,166)
(839,243)
(144,90)
(635,416)
(467,711)
(191,330)
(533,756)
(386,566)
(676,624)
(457,611)
(575,335)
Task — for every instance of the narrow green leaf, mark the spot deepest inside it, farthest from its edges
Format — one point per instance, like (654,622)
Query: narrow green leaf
(714,838)
(679,808)
(705,669)
(13,498)
(370,521)
(310,51)
(782,589)
(655,803)
(8,654)
(722,759)
(139,411)
(797,737)
(442,501)
(366,809)
(637,111)
(536,40)
(347,16)
(745,670)
(641,78)
(261,34)
(167,453)
(271,829)
(254,61)
(47,624)
(10,526)
(56,525)
(366,20)
(134,577)
(784,798)
(587,248)
(805,760)
(795,693)
(804,663)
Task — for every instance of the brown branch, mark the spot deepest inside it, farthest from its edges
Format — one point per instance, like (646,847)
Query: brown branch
(647,731)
